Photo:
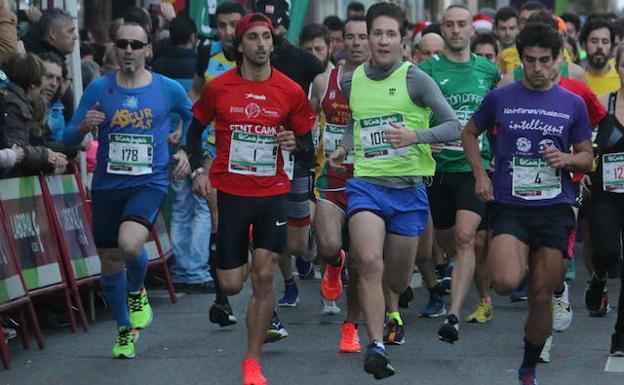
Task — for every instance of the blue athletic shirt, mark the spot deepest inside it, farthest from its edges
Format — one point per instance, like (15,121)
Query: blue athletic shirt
(138,111)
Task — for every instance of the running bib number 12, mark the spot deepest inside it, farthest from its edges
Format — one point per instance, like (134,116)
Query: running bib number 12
(373,137)
(534,179)
(252,154)
(130,154)
(613,172)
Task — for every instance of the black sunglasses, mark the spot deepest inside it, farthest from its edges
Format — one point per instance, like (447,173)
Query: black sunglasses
(134,44)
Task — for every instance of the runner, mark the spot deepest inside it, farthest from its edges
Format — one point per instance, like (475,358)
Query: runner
(252,105)
(387,202)
(605,209)
(331,200)
(597,38)
(212,61)
(464,79)
(130,110)
(534,121)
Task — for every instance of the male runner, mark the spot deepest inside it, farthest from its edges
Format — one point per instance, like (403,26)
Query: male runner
(257,110)
(533,123)
(130,109)
(390,101)
(597,37)
(457,213)
(331,200)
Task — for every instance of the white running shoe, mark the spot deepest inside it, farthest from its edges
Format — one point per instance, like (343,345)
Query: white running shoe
(562,310)
(329,307)
(545,354)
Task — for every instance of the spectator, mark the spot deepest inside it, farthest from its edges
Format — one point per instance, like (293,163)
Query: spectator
(26,73)
(315,38)
(178,62)
(57,34)
(506,26)
(8,32)
(355,8)
(9,157)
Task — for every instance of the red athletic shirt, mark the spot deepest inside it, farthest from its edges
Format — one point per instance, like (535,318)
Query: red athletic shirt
(247,112)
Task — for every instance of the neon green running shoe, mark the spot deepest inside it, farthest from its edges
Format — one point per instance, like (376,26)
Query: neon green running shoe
(140,310)
(124,343)
(482,313)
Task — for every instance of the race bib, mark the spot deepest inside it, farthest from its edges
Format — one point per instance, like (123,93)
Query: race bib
(613,172)
(252,154)
(130,154)
(373,137)
(316,136)
(534,179)
(289,163)
(331,139)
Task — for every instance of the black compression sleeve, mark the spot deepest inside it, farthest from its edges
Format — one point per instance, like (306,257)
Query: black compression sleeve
(305,148)
(193,145)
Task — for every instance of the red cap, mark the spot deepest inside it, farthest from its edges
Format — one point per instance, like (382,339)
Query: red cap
(245,23)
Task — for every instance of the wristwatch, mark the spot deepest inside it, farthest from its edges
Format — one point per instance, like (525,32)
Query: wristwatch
(196,172)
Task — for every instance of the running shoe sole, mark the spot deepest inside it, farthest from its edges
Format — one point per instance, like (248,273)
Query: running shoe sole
(378,365)
(288,304)
(274,336)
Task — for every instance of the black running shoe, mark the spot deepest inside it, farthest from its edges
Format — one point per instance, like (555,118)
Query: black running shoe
(376,362)
(596,298)
(406,297)
(617,345)
(449,331)
(222,315)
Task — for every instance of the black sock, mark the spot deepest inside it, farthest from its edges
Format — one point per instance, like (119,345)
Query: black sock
(531,354)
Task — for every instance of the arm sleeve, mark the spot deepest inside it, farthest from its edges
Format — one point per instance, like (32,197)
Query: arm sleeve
(425,92)
(193,145)
(8,35)
(7,158)
(180,103)
(94,93)
(203,56)
(347,137)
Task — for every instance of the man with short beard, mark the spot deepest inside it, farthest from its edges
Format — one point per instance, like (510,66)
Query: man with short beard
(597,37)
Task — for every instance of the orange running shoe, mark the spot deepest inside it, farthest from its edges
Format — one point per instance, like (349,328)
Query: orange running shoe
(349,342)
(252,375)
(331,284)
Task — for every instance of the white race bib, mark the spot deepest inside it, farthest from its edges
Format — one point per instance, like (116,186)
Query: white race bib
(373,137)
(533,179)
(130,154)
(252,154)
(331,139)
(289,163)
(613,172)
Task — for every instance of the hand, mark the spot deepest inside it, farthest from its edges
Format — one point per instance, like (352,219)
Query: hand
(483,188)
(201,186)
(398,136)
(586,184)
(19,153)
(286,139)
(94,117)
(33,15)
(167,11)
(556,158)
(57,159)
(337,158)
(183,168)
(175,137)
(436,147)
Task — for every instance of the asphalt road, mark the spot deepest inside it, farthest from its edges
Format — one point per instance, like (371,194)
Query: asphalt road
(182,347)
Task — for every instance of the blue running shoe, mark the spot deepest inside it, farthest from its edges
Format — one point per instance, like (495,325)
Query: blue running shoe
(276,331)
(305,268)
(527,376)
(435,307)
(376,361)
(291,295)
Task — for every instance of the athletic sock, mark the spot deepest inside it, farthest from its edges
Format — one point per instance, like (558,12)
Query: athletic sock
(288,282)
(531,354)
(115,290)
(136,268)
(395,315)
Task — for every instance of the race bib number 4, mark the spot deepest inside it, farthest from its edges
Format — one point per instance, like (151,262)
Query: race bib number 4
(373,137)
(613,172)
(130,154)
(534,179)
(252,154)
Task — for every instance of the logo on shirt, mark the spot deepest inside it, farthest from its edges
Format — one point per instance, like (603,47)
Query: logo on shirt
(252,110)
(255,97)
(444,81)
(131,103)
(523,144)
(392,91)
(545,144)
(481,83)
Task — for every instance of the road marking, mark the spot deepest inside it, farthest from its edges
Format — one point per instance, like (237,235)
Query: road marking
(615,364)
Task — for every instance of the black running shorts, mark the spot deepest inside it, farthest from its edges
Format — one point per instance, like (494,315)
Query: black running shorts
(450,192)
(264,218)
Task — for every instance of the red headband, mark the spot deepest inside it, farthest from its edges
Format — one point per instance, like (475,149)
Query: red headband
(245,23)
